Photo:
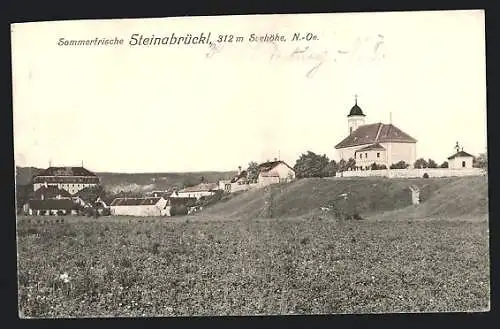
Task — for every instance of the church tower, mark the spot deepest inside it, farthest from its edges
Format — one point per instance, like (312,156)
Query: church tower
(356,118)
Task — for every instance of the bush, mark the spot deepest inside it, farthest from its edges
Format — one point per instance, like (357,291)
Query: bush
(375,166)
(209,200)
(426,175)
(178,210)
(60,213)
(399,165)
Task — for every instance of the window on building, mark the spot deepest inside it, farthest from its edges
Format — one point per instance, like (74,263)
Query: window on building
(378,154)
(361,156)
(463,164)
(366,155)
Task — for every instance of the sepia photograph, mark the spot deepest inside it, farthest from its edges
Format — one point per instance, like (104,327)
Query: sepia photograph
(250,165)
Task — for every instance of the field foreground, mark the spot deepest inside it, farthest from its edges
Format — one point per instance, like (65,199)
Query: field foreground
(182,267)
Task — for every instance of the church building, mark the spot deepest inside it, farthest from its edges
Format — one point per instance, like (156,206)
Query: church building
(380,143)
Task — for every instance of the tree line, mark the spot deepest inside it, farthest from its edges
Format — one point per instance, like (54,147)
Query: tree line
(310,164)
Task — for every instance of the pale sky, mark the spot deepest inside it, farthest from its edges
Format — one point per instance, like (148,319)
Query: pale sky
(171,108)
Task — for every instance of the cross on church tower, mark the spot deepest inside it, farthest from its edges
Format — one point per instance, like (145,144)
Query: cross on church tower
(356,99)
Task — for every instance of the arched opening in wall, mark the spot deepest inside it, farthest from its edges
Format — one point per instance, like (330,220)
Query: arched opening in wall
(463,164)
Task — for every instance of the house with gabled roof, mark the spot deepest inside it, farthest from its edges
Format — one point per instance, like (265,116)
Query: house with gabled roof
(51,192)
(238,182)
(460,160)
(274,172)
(51,206)
(197,191)
(380,143)
(148,206)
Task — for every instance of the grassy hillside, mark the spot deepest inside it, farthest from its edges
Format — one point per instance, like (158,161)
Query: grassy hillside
(439,196)
(463,197)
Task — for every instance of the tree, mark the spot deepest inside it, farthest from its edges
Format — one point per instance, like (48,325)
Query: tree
(190,181)
(311,165)
(481,161)
(342,166)
(431,164)
(375,166)
(444,165)
(253,172)
(351,164)
(420,163)
(399,165)
(331,169)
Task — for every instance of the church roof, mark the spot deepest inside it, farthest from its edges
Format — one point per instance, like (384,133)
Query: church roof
(371,147)
(375,133)
(356,110)
(460,154)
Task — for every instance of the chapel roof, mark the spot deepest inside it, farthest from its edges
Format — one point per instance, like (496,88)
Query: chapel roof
(460,154)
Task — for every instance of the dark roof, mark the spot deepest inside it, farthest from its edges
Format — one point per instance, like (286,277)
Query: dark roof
(51,204)
(375,146)
(87,194)
(50,192)
(243,174)
(356,110)
(460,154)
(164,193)
(66,179)
(375,133)
(266,166)
(134,201)
(202,187)
(188,202)
(67,171)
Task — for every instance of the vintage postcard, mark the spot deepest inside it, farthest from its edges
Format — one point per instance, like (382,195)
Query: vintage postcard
(252,165)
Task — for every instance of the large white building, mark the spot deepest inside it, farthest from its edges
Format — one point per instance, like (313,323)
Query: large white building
(380,143)
(274,172)
(70,179)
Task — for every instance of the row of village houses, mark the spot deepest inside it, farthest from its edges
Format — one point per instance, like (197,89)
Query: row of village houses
(62,191)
